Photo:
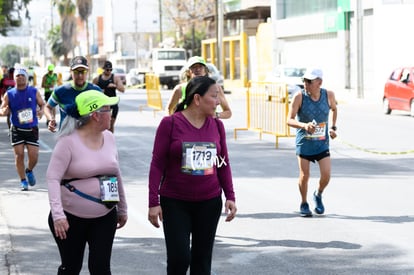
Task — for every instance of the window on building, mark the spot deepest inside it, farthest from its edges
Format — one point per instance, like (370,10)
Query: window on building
(294,8)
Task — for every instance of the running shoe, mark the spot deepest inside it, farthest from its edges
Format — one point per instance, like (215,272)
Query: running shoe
(304,210)
(24,185)
(319,208)
(30,177)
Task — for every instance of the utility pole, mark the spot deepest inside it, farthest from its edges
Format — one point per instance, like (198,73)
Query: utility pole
(136,34)
(160,11)
(219,34)
(360,50)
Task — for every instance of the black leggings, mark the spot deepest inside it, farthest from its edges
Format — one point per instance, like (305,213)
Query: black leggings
(182,219)
(97,232)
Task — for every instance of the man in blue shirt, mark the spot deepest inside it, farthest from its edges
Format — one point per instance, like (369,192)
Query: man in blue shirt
(66,94)
(25,105)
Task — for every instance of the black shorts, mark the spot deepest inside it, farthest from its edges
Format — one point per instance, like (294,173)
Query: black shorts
(115,109)
(24,136)
(47,95)
(316,157)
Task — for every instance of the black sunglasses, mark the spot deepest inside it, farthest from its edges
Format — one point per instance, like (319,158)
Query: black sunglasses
(308,81)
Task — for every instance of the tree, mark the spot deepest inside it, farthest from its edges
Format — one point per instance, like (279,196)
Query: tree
(10,54)
(188,16)
(56,43)
(85,10)
(192,42)
(67,10)
(10,14)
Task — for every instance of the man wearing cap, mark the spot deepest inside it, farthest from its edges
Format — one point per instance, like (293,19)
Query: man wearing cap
(196,66)
(49,82)
(310,113)
(109,83)
(66,93)
(25,105)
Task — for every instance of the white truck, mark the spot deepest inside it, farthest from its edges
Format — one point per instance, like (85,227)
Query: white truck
(167,63)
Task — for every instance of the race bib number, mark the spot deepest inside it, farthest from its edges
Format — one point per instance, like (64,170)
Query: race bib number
(320,132)
(109,188)
(198,158)
(25,116)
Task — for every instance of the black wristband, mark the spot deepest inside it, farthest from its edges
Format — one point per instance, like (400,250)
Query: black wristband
(333,128)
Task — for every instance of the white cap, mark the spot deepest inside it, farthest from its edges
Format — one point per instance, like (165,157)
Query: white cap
(313,73)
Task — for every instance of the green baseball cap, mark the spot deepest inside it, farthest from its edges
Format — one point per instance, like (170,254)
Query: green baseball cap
(92,100)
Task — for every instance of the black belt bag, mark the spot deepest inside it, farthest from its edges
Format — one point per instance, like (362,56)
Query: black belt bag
(71,188)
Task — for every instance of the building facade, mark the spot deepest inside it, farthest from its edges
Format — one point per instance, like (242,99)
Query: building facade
(357,43)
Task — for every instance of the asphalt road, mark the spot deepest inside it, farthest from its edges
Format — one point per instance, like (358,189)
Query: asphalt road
(367,228)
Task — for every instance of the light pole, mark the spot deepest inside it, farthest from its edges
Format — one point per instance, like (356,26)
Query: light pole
(160,15)
(136,36)
(219,33)
(360,48)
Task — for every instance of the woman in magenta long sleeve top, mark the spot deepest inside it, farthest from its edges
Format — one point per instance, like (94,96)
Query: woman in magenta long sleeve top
(189,170)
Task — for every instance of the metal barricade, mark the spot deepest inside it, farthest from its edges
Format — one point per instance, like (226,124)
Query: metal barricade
(153,88)
(267,109)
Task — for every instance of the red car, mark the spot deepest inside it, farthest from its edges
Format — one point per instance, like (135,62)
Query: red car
(399,91)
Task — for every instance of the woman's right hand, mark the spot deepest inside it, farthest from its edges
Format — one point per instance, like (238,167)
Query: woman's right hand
(61,227)
(153,214)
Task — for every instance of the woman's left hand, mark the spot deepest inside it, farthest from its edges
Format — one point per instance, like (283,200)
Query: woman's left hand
(122,219)
(230,210)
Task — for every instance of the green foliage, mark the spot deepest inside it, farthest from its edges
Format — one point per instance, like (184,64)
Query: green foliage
(10,14)
(56,43)
(10,55)
(187,42)
(29,63)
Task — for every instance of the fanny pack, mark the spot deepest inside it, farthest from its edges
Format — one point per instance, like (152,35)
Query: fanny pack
(71,188)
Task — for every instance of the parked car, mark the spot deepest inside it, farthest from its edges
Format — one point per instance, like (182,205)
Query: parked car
(399,91)
(133,77)
(216,75)
(291,75)
(121,73)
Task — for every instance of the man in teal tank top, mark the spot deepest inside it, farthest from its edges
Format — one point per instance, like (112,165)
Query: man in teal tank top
(309,113)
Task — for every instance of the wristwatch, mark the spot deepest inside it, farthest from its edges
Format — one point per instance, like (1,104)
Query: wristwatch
(333,128)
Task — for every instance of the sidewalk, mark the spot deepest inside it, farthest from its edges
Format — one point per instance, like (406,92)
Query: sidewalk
(5,246)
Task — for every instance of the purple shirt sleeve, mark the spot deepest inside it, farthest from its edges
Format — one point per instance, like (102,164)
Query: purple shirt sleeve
(159,159)
(224,172)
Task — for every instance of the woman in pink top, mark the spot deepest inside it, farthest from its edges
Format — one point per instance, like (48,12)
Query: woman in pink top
(86,193)
(189,171)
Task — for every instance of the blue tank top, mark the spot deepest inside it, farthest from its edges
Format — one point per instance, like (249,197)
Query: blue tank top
(22,104)
(318,113)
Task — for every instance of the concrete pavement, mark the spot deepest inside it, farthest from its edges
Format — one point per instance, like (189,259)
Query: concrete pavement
(367,228)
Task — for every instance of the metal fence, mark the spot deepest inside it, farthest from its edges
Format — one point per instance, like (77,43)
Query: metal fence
(267,109)
(153,88)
